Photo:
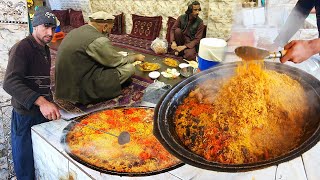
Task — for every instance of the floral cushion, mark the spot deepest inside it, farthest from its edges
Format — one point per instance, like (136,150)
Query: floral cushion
(146,27)
(76,18)
(118,26)
(63,17)
(170,23)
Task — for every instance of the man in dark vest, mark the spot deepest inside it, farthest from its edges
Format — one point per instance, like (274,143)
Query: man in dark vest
(88,69)
(187,32)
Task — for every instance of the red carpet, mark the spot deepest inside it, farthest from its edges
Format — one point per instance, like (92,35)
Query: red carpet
(130,96)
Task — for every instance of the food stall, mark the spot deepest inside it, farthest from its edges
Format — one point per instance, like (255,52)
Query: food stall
(52,161)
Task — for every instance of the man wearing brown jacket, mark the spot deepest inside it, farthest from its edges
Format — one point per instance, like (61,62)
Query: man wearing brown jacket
(187,32)
(27,80)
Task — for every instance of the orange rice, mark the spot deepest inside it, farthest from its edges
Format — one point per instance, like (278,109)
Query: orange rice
(255,115)
(89,141)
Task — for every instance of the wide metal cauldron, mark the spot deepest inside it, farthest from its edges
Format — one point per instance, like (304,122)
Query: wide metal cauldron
(165,110)
(77,120)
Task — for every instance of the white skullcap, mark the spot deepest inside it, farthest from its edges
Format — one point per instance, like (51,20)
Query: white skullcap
(101,17)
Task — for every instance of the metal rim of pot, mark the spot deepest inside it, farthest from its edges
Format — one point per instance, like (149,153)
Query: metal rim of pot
(79,160)
(163,122)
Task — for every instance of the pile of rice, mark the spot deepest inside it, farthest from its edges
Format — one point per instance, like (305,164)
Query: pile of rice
(255,115)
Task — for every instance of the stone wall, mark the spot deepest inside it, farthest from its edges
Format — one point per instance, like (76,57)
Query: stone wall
(216,14)
(82,5)
(220,18)
(13,27)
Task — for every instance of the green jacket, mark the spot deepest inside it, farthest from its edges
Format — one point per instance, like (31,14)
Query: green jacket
(81,77)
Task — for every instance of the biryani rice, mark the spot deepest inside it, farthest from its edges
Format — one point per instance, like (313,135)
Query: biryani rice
(255,115)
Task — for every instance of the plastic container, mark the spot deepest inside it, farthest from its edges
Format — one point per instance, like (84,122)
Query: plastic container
(211,52)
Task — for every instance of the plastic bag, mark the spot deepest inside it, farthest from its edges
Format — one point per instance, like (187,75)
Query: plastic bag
(154,92)
(159,46)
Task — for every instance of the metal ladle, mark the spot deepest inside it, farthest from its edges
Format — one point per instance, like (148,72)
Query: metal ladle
(123,137)
(248,53)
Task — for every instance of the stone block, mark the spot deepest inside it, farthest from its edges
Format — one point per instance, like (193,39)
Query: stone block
(3,152)
(4,174)
(3,62)
(6,114)
(4,98)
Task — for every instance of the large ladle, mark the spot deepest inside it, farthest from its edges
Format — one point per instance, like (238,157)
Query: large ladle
(248,53)
(123,137)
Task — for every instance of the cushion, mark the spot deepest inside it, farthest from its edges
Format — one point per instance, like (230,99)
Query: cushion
(76,18)
(146,27)
(63,17)
(170,23)
(118,26)
(58,36)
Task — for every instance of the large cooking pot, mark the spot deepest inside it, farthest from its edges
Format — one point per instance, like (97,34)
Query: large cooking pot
(67,149)
(164,117)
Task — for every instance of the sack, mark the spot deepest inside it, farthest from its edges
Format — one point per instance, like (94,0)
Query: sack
(154,92)
(159,46)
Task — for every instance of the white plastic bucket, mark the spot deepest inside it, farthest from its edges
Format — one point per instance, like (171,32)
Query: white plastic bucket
(211,52)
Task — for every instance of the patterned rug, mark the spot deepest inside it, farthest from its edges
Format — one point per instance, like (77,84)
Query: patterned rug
(137,44)
(130,96)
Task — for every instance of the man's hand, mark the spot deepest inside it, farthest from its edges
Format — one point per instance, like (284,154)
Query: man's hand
(139,57)
(173,45)
(49,110)
(181,48)
(299,50)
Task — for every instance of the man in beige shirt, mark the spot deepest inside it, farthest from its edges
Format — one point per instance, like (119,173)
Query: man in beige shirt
(88,68)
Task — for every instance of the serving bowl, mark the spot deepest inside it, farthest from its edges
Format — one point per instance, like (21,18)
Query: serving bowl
(187,71)
(154,74)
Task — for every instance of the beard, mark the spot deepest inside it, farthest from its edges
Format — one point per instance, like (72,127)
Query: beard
(46,39)
(194,15)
